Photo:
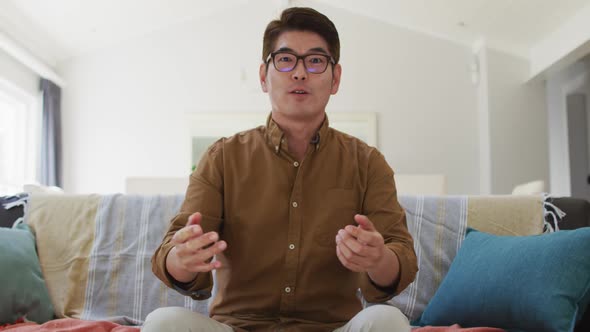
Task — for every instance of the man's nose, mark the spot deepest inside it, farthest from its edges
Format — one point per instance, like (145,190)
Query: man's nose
(299,72)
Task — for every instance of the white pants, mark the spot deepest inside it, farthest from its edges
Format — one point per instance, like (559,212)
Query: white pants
(176,319)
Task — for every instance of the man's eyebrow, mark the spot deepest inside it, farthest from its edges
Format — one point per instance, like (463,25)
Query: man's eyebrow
(315,49)
(319,49)
(285,49)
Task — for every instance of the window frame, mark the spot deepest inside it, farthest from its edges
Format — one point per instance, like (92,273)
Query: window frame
(29,124)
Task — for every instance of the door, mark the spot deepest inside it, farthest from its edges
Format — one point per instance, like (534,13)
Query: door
(577,121)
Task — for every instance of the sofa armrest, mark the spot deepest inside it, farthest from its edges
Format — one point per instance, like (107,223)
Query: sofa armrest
(577,214)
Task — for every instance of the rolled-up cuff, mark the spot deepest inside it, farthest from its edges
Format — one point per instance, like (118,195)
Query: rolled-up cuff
(408,268)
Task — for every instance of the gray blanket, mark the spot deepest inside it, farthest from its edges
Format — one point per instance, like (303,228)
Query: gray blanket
(438,225)
(121,286)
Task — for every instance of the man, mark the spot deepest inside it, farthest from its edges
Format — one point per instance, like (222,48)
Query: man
(297,215)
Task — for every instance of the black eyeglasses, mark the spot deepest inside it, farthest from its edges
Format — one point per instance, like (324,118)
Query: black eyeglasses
(313,63)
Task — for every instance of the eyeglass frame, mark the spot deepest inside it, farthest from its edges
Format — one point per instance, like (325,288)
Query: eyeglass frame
(271,57)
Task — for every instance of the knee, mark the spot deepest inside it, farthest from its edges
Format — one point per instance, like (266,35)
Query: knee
(383,317)
(162,319)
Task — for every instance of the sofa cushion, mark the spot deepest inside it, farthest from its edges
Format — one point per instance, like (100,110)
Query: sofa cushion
(531,283)
(22,289)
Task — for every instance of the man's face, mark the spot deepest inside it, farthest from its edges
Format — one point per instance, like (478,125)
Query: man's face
(298,94)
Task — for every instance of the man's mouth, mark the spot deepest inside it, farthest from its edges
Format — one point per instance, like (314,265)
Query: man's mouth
(299,92)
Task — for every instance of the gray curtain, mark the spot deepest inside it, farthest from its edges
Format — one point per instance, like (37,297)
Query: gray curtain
(51,135)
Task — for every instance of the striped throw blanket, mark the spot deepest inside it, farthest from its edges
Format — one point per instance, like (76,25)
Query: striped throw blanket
(438,225)
(128,231)
(95,253)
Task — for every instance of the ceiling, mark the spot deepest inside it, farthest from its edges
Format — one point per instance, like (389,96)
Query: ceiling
(511,25)
(62,29)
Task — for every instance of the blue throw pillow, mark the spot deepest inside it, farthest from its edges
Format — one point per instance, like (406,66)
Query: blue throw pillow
(23,292)
(518,283)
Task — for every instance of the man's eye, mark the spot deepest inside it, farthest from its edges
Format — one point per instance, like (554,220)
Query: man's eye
(285,59)
(316,60)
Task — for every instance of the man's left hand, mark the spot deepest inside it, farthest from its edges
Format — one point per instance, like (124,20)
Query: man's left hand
(360,248)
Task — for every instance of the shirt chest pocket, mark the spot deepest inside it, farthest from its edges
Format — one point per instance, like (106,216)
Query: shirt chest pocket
(337,209)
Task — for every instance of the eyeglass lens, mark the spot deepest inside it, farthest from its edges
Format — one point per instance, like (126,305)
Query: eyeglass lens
(314,63)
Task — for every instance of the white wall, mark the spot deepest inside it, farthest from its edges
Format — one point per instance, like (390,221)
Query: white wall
(420,87)
(18,75)
(124,108)
(518,124)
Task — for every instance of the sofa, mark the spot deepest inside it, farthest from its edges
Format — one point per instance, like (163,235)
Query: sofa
(517,263)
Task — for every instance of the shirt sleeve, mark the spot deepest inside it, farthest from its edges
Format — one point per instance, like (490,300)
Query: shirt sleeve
(205,195)
(383,209)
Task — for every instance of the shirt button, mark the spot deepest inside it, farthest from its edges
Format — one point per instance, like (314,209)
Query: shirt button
(287,289)
(296,164)
(294,204)
(291,246)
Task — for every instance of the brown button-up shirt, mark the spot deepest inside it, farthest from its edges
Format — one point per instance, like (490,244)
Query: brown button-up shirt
(280,218)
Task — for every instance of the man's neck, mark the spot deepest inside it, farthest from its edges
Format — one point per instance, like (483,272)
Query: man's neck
(298,132)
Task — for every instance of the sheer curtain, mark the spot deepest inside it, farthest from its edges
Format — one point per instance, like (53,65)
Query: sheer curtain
(51,151)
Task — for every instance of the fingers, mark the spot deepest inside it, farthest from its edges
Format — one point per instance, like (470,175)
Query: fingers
(359,248)
(202,247)
(194,219)
(203,267)
(194,249)
(187,233)
(370,238)
(355,252)
(364,222)
(191,230)
(194,255)
(355,262)
(346,262)
(198,261)
(197,243)
(206,267)
(344,238)
(193,264)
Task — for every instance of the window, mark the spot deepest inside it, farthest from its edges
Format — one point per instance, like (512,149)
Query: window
(20,120)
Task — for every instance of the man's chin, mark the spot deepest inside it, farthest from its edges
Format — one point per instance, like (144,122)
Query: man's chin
(300,113)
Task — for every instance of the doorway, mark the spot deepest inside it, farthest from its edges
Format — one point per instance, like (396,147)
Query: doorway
(579,145)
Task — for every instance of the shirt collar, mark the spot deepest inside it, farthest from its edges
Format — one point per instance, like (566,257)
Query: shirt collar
(276,137)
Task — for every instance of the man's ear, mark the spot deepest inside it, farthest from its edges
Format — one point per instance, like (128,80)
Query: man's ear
(262,73)
(336,74)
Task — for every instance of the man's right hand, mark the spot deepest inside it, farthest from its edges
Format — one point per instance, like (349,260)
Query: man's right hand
(192,249)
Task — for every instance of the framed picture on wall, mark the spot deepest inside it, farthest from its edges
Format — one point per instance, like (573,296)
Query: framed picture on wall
(207,127)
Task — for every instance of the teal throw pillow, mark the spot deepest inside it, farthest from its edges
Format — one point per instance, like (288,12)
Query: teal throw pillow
(23,292)
(518,283)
